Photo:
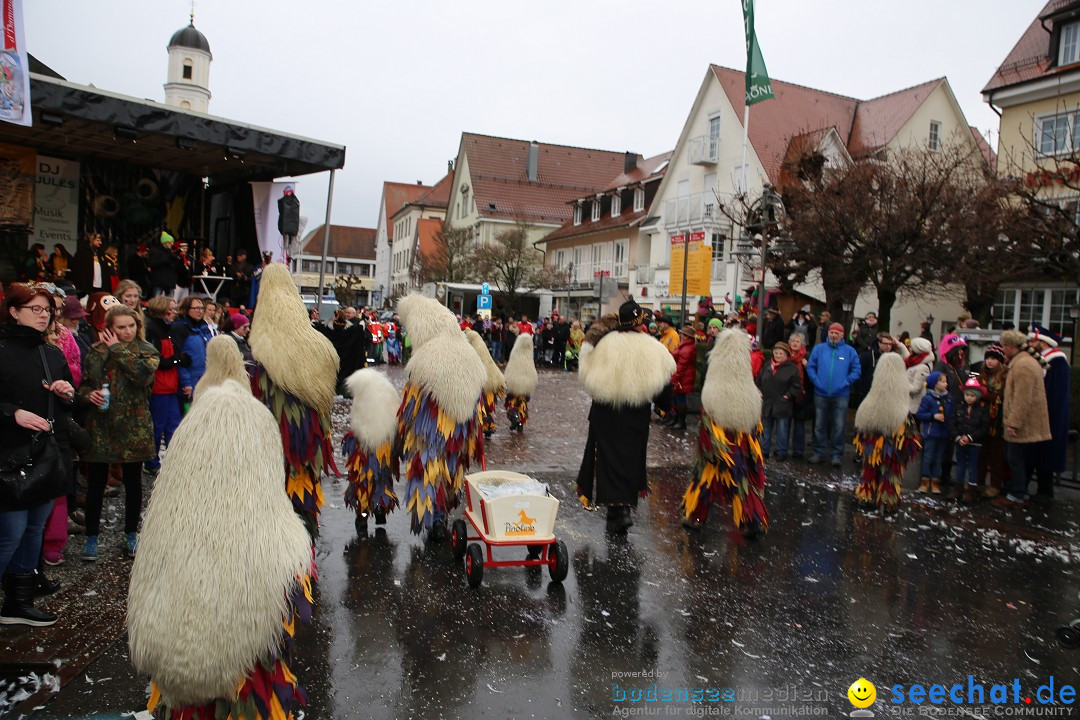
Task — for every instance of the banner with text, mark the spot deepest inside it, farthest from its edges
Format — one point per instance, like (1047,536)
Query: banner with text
(56,204)
(14,67)
(17,186)
(698,269)
(265,196)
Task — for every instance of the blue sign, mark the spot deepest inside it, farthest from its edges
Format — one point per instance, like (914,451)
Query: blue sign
(483,302)
(485,289)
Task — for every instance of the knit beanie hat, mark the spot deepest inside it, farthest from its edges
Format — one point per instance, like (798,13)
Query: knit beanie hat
(932,378)
(239,320)
(717,323)
(837,327)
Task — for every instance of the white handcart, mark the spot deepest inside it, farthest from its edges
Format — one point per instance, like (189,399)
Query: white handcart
(508,509)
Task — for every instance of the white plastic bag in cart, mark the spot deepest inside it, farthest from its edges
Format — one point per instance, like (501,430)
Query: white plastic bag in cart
(497,486)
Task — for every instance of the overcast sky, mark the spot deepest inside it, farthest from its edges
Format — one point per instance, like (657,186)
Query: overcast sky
(397,83)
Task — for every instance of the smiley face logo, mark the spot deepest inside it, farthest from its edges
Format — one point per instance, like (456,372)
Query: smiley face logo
(862,693)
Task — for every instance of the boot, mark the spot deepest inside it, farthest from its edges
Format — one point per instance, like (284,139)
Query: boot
(42,585)
(935,486)
(680,422)
(616,521)
(18,608)
(669,420)
(924,484)
(380,516)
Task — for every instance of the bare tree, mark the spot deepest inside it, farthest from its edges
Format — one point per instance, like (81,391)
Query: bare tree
(451,260)
(884,220)
(345,287)
(512,263)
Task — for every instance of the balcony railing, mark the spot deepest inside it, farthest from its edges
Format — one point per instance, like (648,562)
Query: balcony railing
(700,151)
(697,210)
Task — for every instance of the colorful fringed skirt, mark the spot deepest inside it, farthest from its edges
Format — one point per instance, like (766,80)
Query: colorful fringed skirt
(518,404)
(488,406)
(307,440)
(728,465)
(884,459)
(437,452)
(269,692)
(370,476)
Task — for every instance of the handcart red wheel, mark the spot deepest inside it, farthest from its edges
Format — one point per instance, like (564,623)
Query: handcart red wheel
(459,539)
(474,565)
(560,562)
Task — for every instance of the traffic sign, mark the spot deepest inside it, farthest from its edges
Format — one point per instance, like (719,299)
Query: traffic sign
(485,289)
(483,302)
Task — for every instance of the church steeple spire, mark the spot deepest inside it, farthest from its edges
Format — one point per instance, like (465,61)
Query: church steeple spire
(188,82)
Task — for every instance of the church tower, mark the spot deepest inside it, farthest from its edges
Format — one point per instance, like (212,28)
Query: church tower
(188,84)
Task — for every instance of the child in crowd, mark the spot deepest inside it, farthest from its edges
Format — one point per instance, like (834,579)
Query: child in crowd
(934,412)
(968,428)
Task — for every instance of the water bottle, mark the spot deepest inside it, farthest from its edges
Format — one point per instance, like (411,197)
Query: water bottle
(105,392)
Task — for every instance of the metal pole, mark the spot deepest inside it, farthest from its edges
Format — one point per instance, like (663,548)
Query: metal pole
(761,287)
(325,245)
(686,261)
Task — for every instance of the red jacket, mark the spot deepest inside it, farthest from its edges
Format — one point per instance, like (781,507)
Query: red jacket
(682,381)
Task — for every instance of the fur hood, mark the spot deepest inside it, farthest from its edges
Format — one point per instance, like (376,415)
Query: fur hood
(298,358)
(624,368)
(223,362)
(729,395)
(448,368)
(220,551)
(884,410)
(520,368)
(424,318)
(495,380)
(374,410)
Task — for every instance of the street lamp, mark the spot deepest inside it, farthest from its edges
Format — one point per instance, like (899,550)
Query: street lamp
(847,308)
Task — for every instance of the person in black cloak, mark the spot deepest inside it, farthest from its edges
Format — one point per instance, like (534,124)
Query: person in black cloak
(622,369)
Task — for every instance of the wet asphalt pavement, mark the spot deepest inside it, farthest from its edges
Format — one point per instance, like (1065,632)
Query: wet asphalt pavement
(787,622)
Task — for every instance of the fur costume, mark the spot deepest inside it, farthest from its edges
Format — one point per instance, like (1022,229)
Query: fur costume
(372,464)
(623,372)
(885,435)
(438,420)
(494,384)
(728,462)
(97,306)
(216,586)
(520,382)
(295,375)
(223,362)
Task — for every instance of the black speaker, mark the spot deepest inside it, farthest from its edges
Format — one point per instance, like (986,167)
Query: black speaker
(288,222)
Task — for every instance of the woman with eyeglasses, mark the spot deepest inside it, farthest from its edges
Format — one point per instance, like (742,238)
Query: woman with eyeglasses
(196,336)
(120,427)
(25,392)
(164,403)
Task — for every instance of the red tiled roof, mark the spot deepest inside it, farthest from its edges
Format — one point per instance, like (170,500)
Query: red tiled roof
(439,195)
(647,169)
(345,241)
(878,120)
(794,111)
(984,147)
(864,125)
(397,194)
(1029,59)
(426,229)
(501,188)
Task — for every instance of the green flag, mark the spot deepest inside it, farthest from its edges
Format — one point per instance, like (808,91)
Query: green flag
(758,87)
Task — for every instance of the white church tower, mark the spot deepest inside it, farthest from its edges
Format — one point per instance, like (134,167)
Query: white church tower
(188,84)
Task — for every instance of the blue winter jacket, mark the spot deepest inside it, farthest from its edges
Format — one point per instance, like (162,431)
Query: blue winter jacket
(931,405)
(833,369)
(195,346)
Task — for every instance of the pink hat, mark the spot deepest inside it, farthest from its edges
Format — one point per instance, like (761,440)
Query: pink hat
(239,320)
(837,327)
(949,343)
(973,385)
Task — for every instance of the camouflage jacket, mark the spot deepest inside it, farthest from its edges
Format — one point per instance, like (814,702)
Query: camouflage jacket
(124,432)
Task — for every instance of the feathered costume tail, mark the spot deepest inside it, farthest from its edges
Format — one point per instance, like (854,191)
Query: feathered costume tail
(885,457)
(520,405)
(369,445)
(489,403)
(728,465)
(439,434)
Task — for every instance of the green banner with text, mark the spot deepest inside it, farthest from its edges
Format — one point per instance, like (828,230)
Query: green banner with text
(758,86)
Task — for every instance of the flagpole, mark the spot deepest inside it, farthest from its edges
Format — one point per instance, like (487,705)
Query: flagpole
(743,185)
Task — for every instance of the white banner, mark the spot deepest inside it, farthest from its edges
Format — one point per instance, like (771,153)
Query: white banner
(14,67)
(265,196)
(56,203)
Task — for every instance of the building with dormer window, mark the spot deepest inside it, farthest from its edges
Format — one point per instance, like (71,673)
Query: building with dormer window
(1036,91)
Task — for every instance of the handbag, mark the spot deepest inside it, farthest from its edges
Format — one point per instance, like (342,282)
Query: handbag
(33,473)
